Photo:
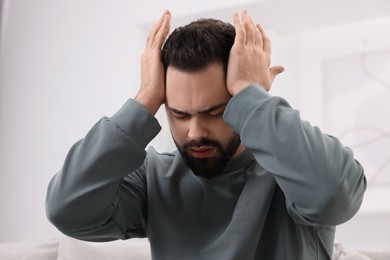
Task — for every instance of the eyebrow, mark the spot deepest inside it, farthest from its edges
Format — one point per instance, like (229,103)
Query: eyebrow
(205,111)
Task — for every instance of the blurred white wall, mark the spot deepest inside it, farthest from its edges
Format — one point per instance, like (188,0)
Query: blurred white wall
(65,64)
(303,55)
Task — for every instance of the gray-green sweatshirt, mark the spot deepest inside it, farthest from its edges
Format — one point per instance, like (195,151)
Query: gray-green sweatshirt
(280,199)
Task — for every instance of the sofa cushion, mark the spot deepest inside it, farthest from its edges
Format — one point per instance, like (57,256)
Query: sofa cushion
(73,249)
(342,253)
(38,250)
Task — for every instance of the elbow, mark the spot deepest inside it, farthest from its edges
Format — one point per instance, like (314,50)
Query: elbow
(334,205)
(351,193)
(55,213)
(344,196)
(59,211)
(342,204)
(66,220)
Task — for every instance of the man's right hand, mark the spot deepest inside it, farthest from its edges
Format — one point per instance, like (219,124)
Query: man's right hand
(152,92)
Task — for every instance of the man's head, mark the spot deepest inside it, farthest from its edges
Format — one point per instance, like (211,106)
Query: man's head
(194,46)
(195,58)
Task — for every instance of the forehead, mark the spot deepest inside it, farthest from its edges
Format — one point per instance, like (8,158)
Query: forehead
(192,91)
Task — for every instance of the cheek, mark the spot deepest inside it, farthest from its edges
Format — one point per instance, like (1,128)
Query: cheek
(224,133)
(221,131)
(219,127)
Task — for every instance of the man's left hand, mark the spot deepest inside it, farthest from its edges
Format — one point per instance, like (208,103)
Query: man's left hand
(250,56)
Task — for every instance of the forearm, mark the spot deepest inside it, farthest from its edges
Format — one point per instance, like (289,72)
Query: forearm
(84,194)
(317,174)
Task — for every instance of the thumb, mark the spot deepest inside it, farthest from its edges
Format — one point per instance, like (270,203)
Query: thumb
(276,70)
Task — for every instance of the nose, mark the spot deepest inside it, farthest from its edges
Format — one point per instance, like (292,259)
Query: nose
(197,129)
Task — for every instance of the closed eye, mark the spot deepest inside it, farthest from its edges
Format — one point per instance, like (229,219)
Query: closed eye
(178,114)
(214,111)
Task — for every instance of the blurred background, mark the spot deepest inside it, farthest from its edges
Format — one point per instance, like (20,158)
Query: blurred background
(66,63)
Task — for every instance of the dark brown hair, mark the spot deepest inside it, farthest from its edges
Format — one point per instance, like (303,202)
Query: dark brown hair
(196,45)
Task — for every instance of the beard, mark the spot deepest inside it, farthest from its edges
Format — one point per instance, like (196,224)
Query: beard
(213,166)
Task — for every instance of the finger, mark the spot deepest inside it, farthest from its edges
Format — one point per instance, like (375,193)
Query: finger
(156,28)
(258,37)
(163,32)
(266,42)
(259,40)
(240,32)
(249,28)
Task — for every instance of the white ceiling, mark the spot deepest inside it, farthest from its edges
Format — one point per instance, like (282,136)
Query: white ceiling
(283,16)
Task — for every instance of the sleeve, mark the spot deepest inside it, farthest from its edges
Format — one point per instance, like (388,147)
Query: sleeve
(102,173)
(322,182)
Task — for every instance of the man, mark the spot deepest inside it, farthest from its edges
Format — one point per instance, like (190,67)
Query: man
(250,179)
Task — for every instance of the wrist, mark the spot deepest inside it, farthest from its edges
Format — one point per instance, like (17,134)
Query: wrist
(151,103)
(238,86)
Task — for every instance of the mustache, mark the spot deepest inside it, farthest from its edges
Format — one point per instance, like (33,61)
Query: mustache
(201,142)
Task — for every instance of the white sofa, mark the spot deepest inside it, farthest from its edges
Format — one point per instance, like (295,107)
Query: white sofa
(67,248)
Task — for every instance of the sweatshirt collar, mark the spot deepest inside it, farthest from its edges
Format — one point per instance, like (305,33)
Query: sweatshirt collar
(241,161)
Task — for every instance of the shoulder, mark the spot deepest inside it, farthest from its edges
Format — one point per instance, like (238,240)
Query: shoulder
(161,162)
(154,156)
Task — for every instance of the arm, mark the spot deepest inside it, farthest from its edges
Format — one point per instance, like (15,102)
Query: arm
(103,171)
(322,182)
(85,198)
